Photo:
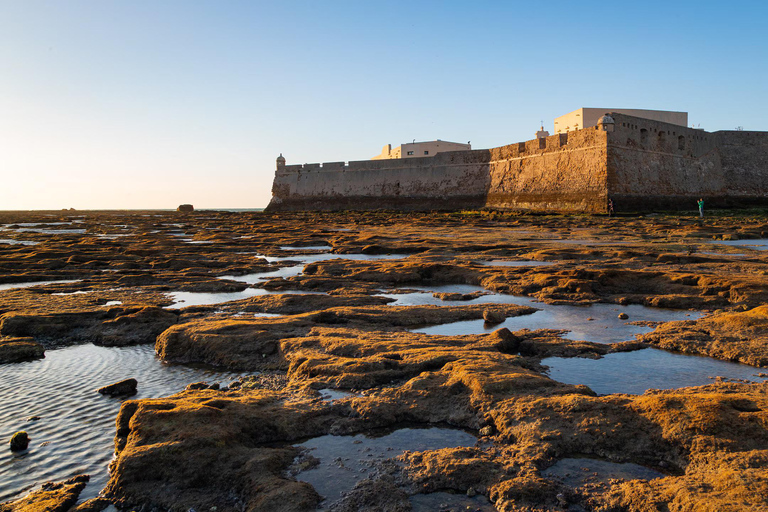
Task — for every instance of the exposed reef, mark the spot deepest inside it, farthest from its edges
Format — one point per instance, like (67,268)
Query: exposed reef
(328,307)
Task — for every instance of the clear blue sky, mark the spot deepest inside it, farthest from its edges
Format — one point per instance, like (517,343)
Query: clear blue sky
(153,103)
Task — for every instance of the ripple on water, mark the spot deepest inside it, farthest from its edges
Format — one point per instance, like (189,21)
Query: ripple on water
(345,460)
(635,372)
(76,428)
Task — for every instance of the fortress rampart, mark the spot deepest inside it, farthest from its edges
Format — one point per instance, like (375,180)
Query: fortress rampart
(639,163)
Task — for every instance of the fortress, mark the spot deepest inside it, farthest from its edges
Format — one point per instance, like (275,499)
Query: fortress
(640,163)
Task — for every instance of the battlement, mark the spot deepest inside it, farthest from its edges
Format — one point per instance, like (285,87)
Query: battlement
(639,163)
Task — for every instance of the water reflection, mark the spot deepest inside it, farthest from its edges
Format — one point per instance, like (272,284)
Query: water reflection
(345,460)
(598,323)
(576,472)
(635,372)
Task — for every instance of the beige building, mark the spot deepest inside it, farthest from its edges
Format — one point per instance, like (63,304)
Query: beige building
(587,117)
(416,149)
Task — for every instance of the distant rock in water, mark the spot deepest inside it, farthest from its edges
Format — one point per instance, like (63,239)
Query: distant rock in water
(124,387)
(492,316)
(185,208)
(19,441)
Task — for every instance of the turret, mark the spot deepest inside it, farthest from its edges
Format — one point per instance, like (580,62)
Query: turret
(280,162)
(606,123)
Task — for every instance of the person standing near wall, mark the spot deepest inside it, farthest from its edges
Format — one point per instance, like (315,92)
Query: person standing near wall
(610,207)
(701,207)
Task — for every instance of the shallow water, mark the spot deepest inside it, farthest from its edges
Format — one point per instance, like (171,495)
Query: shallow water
(329,395)
(9,241)
(258,277)
(448,502)
(346,460)
(576,472)
(11,286)
(312,258)
(760,244)
(635,372)
(425,296)
(186,299)
(33,224)
(605,326)
(73,231)
(76,429)
(305,248)
(516,263)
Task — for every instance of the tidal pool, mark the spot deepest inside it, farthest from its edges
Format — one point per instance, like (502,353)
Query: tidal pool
(73,231)
(425,296)
(76,429)
(303,259)
(346,460)
(516,263)
(313,258)
(186,299)
(637,371)
(258,277)
(11,286)
(598,323)
(9,241)
(305,248)
(759,244)
(576,472)
(449,502)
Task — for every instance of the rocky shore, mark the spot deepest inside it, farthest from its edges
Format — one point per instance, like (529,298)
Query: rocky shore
(312,323)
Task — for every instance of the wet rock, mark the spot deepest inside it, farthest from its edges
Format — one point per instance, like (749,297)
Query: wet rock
(505,341)
(196,385)
(493,316)
(19,441)
(185,208)
(487,431)
(374,494)
(623,316)
(140,327)
(734,336)
(95,505)
(15,350)
(51,497)
(124,387)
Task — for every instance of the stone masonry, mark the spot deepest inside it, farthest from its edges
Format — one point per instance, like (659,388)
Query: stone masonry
(640,164)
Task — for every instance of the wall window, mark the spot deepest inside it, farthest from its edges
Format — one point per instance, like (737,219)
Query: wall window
(426,152)
(410,153)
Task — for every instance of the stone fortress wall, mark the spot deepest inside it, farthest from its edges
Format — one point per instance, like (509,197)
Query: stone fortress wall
(666,166)
(446,181)
(563,172)
(639,163)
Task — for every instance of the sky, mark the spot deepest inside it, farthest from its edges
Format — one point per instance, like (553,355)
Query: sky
(133,104)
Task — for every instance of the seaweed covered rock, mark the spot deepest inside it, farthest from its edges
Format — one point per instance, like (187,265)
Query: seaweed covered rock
(15,350)
(51,497)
